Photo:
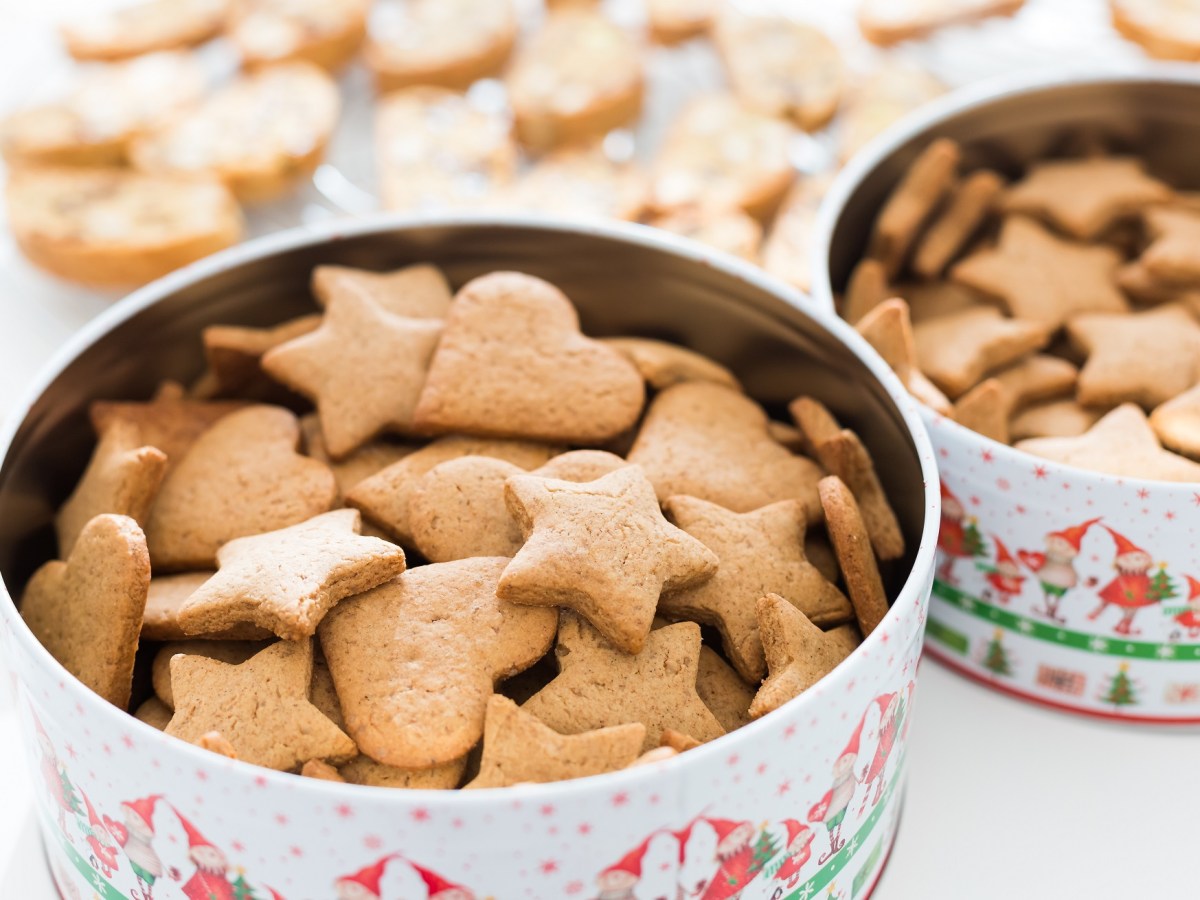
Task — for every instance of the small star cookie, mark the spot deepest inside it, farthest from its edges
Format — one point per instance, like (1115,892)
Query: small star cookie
(1177,422)
(958,350)
(1173,256)
(160,621)
(799,654)
(419,292)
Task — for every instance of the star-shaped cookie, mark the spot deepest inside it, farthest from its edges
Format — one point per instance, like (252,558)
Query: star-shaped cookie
(958,350)
(1044,278)
(798,653)
(420,291)
(517,748)
(889,329)
(1173,256)
(1083,197)
(235,352)
(287,580)
(599,685)
(168,593)
(364,368)
(1145,358)
(1122,443)
(761,552)
(601,548)
(1177,422)
(260,707)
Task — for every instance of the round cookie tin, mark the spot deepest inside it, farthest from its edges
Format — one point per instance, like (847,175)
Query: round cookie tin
(1037,560)
(801,803)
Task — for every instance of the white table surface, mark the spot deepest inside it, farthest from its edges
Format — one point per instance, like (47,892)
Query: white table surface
(1004,799)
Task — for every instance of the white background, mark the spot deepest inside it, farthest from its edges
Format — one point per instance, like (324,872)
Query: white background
(1004,799)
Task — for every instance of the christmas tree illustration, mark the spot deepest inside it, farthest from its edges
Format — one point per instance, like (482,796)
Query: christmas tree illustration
(242,889)
(1161,586)
(995,657)
(1121,689)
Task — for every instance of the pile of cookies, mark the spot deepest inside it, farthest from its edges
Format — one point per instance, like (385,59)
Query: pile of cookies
(1057,312)
(499,550)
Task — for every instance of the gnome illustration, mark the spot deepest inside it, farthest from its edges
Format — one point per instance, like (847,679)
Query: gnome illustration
(1004,579)
(135,837)
(891,718)
(681,841)
(1055,569)
(618,880)
(831,809)
(209,881)
(739,860)
(104,849)
(438,887)
(798,850)
(58,785)
(1190,617)
(363,884)
(958,538)
(1134,587)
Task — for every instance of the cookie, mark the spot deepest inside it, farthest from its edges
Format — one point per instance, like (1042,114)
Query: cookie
(415,660)
(154,713)
(953,226)
(419,291)
(1177,423)
(93,124)
(513,363)
(718,154)
(788,249)
(578,77)
(847,638)
(674,21)
(259,706)
(722,690)
(259,134)
(884,96)
(577,552)
(985,409)
(1037,377)
(840,452)
(678,741)
(160,620)
(1142,287)
(438,149)
(888,328)
(364,368)
(87,611)
(730,231)
(1145,358)
(852,544)
(369,459)
(782,67)
(286,581)
(234,352)
(579,183)
(1084,197)
(1016,272)
(866,288)
(799,654)
(386,497)
(887,22)
(1122,443)
(117,228)
(364,770)
(912,202)
(599,686)
(215,742)
(931,299)
(131,30)
(231,652)
(1173,256)
(760,552)
(457,510)
(1164,28)
(443,43)
(325,32)
(519,749)
(663,364)
(1054,418)
(316,768)
(121,478)
(956,351)
(242,476)
(709,441)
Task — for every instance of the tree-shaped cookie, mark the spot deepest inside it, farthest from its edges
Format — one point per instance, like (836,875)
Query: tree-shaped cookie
(415,660)
(513,363)
(601,548)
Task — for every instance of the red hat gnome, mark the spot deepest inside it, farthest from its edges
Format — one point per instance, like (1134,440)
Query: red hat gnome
(208,882)
(1004,578)
(798,849)
(1133,588)
(439,888)
(1189,618)
(831,808)
(1073,536)
(104,848)
(138,816)
(958,538)
(363,884)
(618,880)
(1055,568)
(741,858)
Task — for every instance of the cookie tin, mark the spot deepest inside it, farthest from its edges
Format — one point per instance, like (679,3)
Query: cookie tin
(1071,588)
(802,803)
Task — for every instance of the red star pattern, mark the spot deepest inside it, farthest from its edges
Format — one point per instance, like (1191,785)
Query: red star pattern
(202,775)
(1196,499)
(420,814)
(987,456)
(548,866)
(1003,484)
(281,818)
(1143,493)
(372,842)
(127,741)
(106,748)
(975,501)
(1169,515)
(784,787)
(1021,509)
(760,768)
(790,731)
(585,828)
(457,822)
(260,780)
(295,851)
(71,752)
(1040,472)
(620,798)
(574,887)
(344,810)
(238,847)
(943,453)
(547,809)
(654,798)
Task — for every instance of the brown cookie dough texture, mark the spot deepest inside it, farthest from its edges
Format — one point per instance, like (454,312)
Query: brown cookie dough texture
(512,362)
(799,654)
(663,364)
(115,227)
(416,660)
(723,690)
(852,544)
(887,22)
(160,621)
(457,510)
(241,477)
(232,652)
(672,21)
(87,611)
(577,78)
(234,353)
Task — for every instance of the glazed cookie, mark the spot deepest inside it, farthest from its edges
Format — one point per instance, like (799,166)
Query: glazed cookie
(438,149)
(518,749)
(663,364)
(260,134)
(235,353)
(578,77)
(259,706)
(325,32)
(1166,29)
(131,30)
(443,43)
(852,544)
(416,660)
(113,227)
(673,21)
(718,154)
(798,653)
(956,351)
(513,363)
(874,102)
(87,611)
(731,231)
(760,552)
(580,182)
(363,367)
(599,686)
(712,442)
(241,477)
(420,291)
(578,553)
(160,621)
(231,652)
(887,22)
(782,67)
(911,204)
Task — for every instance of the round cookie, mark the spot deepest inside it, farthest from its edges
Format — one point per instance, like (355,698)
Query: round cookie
(325,32)
(730,230)
(581,183)
(143,28)
(1166,29)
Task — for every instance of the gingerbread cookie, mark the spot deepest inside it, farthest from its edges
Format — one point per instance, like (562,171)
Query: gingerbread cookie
(350,471)
(678,741)
(673,21)
(87,611)
(160,621)
(131,30)
(364,770)
(787,252)
(1172,257)
(1037,377)
(419,291)
(888,328)
(886,22)
(415,660)
(599,686)
(1054,418)
(579,182)
(1177,422)
(723,691)
(883,97)
(457,510)
(731,231)
(325,32)
(513,363)
(913,201)
(798,654)
(154,713)
(663,364)
(866,288)
(956,222)
(985,409)
(1165,29)
(316,768)
(242,476)
(234,353)
(956,351)
(852,544)
(231,652)
(215,742)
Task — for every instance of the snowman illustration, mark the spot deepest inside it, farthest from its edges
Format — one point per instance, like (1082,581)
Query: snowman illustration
(1055,568)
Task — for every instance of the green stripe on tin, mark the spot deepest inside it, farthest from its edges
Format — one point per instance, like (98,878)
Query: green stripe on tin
(944,634)
(96,881)
(1076,640)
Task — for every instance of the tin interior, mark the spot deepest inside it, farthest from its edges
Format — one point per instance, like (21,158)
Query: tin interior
(621,285)
(1155,116)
